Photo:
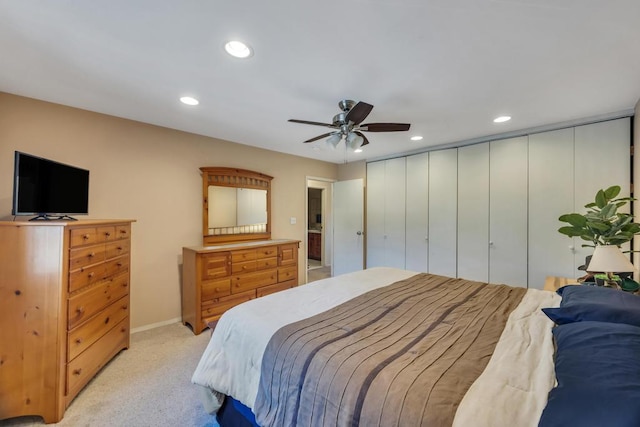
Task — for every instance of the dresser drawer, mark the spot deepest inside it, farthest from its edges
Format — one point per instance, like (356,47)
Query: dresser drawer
(245,282)
(244,255)
(287,273)
(243,267)
(215,308)
(81,369)
(260,292)
(265,263)
(86,276)
(83,236)
(215,265)
(116,266)
(288,254)
(87,304)
(106,233)
(82,337)
(268,252)
(82,257)
(123,231)
(215,289)
(117,248)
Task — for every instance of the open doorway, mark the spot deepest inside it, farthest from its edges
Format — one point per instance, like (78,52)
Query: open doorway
(319,228)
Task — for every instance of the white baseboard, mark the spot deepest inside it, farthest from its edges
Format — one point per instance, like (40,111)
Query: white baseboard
(156,325)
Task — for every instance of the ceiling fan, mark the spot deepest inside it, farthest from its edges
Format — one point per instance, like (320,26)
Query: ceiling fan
(348,125)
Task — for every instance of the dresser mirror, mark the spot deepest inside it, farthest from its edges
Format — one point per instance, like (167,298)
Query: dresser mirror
(236,205)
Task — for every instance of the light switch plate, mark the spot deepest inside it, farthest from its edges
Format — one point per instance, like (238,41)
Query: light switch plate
(293,220)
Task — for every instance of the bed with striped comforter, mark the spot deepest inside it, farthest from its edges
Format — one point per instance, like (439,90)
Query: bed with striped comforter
(386,347)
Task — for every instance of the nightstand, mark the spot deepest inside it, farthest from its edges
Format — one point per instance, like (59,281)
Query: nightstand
(553,283)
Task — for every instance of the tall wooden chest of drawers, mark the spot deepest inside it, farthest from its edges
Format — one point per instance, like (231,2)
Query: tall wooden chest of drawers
(216,278)
(64,310)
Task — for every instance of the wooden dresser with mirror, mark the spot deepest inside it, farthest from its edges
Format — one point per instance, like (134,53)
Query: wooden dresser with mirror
(238,260)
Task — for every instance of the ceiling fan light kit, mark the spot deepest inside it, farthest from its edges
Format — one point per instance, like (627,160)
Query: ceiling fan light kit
(348,125)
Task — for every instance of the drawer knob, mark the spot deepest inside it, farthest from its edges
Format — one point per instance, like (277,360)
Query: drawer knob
(123,231)
(85,236)
(125,284)
(91,255)
(80,310)
(120,248)
(91,274)
(78,340)
(125,306)
(107,234)
(123,329)
(119,264)
(77,371)
(106,320)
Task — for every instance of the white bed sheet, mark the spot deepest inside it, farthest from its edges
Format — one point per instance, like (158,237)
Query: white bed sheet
(242,333)
(519,374)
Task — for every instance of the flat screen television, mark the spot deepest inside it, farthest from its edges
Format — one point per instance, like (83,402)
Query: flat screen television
(48,189)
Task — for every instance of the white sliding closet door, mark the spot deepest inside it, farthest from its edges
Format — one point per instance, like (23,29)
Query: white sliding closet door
(386,181)
(602,160)
(473,212)
(508,211)
(374,234)
(551,194)
(443,207)
(417,207)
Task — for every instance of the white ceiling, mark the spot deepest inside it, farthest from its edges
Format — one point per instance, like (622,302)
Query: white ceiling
(448,67)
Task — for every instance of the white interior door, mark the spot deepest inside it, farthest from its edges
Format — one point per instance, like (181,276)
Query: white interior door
(417,213)
(348,223)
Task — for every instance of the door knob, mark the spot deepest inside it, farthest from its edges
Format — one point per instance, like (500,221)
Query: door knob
(359,233)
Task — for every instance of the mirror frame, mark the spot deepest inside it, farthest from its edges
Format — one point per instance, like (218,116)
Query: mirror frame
(236,178)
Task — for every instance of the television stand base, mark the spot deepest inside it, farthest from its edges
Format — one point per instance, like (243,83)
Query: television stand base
(46,217)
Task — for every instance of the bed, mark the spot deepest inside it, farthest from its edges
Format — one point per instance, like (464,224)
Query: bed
(386,346)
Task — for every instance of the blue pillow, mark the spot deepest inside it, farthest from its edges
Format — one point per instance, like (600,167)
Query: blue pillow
(598,376)
(597,303)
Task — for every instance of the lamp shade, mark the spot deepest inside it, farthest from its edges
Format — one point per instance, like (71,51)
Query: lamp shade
(609,259)
(334,139)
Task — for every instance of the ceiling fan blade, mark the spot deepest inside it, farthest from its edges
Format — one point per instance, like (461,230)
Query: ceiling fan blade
(385,127)
(359,112)
(306,122)
(324,135)
(366,141)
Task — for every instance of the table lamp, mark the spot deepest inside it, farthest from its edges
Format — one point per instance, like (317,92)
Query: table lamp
(609,259)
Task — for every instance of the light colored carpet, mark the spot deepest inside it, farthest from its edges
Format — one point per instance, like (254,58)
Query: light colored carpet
(147,385)
(314,274)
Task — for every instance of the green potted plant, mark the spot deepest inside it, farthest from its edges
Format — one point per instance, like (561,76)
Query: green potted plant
(602,224)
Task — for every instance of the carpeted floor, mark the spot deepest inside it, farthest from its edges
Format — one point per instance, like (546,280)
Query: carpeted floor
(147,385)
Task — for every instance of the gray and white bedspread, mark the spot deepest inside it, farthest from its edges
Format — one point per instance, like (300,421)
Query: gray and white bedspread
(407,349)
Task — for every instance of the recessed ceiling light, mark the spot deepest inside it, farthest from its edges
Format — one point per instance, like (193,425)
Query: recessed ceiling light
(358,150)
(189,100)
(238,49)
(416,138)
(501,119)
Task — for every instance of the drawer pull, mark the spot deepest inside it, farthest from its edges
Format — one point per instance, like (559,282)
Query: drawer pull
(85,236)
(106,320)
(237,285)
(77,371)
(78,340)
(80,311)
(90,275)
(120,248)
(123,231)
(107,234)
(91,255)
(125,284)
(124,306)
(119,264)
(123,329)
(217,289)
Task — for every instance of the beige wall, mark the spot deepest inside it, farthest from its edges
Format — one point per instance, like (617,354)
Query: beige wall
(150,174)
